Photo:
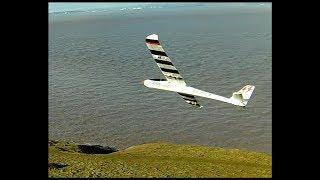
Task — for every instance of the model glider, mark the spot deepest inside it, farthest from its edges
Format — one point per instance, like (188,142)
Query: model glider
(174,81)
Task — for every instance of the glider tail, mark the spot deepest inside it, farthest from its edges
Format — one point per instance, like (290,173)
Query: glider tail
(242,96)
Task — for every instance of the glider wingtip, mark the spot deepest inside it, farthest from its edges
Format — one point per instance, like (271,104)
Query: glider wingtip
(152,37)
(141,82)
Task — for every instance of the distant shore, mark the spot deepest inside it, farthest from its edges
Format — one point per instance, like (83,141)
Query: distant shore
(68,159)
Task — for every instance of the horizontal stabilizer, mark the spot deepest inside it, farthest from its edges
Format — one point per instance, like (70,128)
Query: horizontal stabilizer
(242,96)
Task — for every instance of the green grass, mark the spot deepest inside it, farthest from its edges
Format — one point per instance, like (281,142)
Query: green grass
(158,160)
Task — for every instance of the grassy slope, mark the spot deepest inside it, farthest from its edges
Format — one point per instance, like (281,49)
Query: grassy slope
(159,160)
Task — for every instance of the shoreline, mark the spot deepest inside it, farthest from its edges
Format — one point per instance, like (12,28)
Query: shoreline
(123,147)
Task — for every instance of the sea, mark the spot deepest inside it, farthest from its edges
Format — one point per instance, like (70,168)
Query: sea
(98,58)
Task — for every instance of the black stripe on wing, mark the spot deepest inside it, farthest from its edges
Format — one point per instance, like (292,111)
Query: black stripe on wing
(152,41)
(154,52)
(187,95)
(169,70)
(190,99)
(163,62)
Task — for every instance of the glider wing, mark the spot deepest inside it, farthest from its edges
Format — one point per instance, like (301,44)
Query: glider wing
(163,61)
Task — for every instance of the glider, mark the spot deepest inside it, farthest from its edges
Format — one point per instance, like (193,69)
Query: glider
(174,81)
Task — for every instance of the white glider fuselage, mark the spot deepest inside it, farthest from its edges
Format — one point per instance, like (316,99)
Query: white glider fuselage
(181,87)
